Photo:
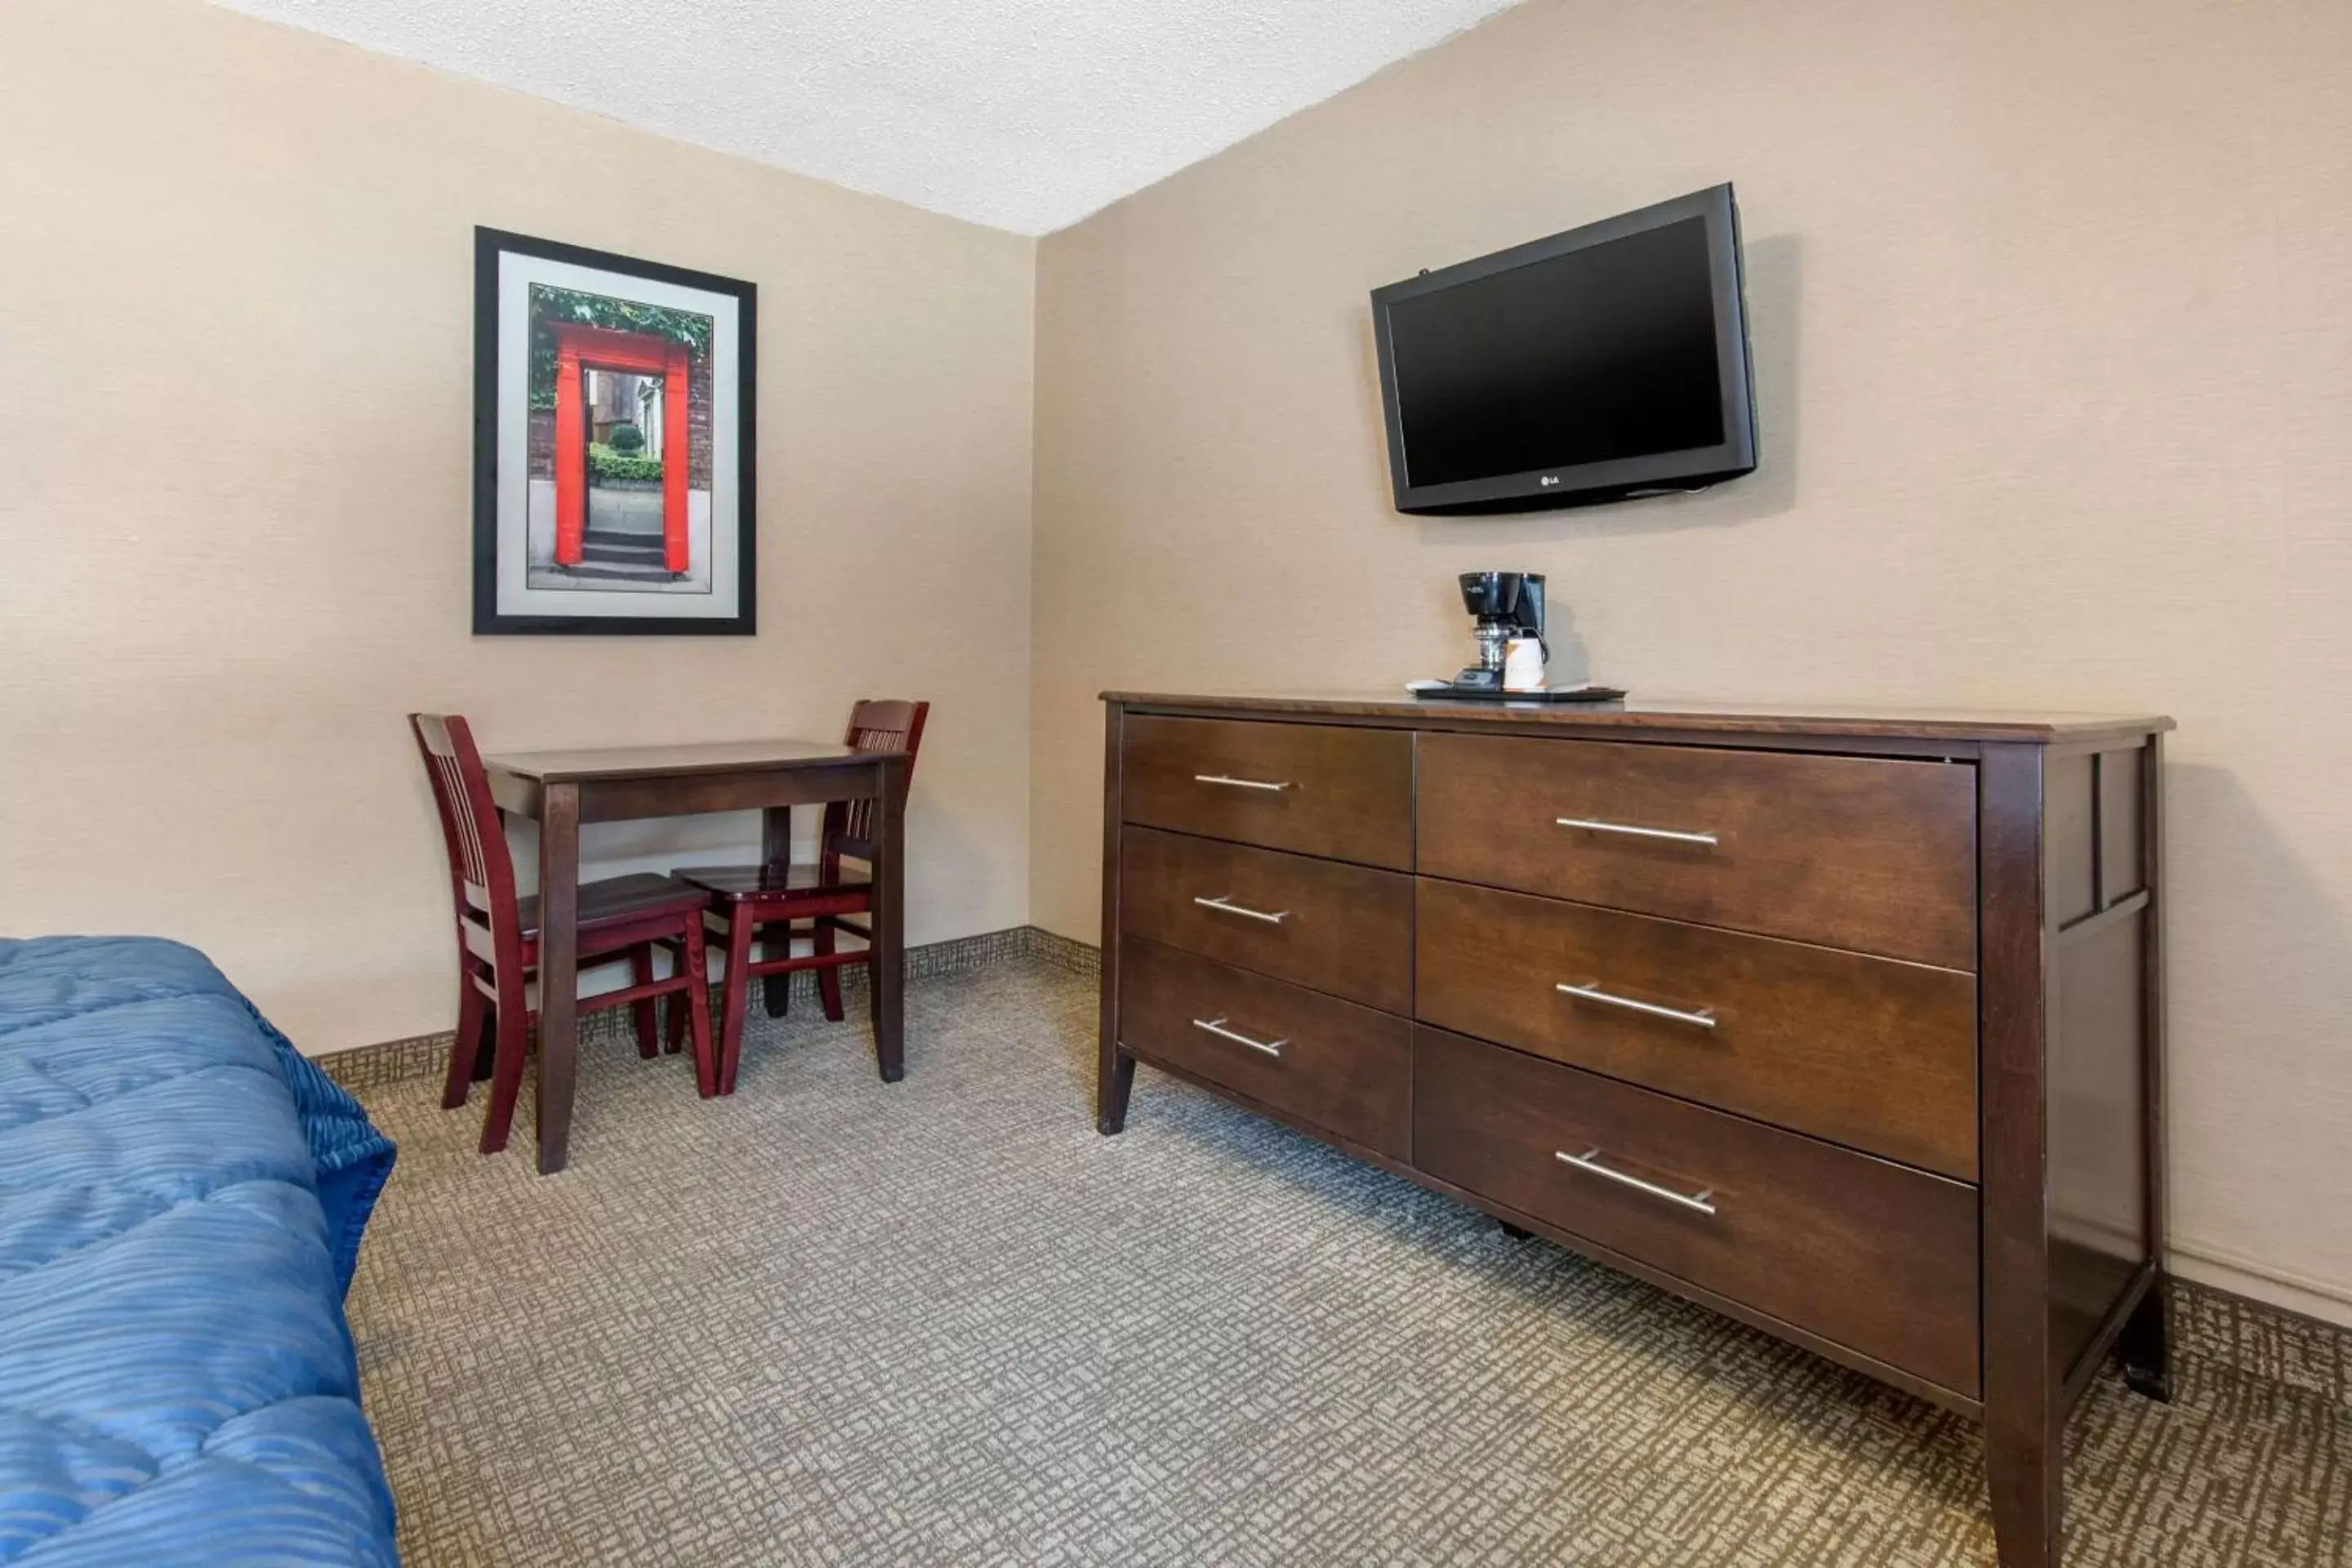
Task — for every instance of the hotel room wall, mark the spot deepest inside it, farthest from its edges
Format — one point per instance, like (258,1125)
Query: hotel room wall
(2055,375)
(237,300)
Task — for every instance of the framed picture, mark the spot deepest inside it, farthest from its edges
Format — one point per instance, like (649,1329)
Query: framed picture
(613,443)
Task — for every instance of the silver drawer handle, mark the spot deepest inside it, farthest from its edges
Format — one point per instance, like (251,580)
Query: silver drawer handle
(1594,824)
(1703,1017)
(1590,1161)
(1224,906)
(1217,1027)
(1232,782)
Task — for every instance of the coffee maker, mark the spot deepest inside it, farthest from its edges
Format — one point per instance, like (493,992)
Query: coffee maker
(1502,605)
(1504,608)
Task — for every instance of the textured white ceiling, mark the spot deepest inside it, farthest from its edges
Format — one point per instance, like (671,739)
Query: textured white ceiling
(1022,114)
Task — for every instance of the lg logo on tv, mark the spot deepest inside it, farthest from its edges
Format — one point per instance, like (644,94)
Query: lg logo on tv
(1548,479)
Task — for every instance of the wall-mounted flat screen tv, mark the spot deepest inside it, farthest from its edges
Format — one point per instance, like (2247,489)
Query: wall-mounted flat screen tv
(1607,361)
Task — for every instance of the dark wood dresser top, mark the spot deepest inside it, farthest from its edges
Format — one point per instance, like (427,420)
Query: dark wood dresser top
(1635,719)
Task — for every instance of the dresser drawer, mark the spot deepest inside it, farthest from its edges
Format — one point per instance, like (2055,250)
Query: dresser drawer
(1871,1052)
(1868,854)
(1341,1066)
(1343,929)
(1318,789)
(1872,1256)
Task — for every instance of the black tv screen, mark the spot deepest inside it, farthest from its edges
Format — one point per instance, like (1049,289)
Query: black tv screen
(1606,362)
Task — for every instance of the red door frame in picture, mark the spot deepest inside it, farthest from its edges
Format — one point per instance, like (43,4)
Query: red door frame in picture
(641,353)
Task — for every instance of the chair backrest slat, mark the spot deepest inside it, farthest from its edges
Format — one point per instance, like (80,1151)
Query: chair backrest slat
(482,869)
(893,725)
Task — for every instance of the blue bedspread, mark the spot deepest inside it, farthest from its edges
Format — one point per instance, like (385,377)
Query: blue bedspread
(180,1202)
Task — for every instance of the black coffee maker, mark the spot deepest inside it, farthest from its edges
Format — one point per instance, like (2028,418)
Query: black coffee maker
(1504,606)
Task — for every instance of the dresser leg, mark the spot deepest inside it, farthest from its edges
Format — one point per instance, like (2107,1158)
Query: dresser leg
(2026,1500)
(1111,1090)
(2144,1346)
(1515,1232)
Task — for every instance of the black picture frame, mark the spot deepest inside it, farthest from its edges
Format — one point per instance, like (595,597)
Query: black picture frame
(490,246)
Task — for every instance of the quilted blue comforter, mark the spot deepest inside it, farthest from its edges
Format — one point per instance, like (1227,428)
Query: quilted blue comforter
(181,1203)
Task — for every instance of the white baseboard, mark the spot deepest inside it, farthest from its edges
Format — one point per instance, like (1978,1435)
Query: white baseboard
(2329,1302)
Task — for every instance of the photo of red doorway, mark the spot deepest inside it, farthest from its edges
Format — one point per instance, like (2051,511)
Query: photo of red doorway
(615,471)
(620,444)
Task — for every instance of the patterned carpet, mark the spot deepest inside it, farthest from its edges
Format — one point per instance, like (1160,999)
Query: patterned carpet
(942,1321)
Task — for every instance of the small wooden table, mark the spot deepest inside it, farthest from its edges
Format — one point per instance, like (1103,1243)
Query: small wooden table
(560,790)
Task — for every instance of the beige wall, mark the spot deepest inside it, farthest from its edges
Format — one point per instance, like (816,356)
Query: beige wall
(235,383)
(2055,372)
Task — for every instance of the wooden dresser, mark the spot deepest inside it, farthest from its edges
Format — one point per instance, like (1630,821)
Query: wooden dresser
(1850,1026)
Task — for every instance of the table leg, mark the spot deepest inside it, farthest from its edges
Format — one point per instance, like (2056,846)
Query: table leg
(776,851)
(558,970)
(887,970)
(2145,1345)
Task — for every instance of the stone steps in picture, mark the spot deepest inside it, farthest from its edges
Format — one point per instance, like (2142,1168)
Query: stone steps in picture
(608,552)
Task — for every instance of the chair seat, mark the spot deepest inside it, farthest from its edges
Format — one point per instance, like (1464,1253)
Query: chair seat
(761,884)
(617,899)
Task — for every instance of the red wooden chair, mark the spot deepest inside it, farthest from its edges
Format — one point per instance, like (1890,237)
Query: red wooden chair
(497,938)
(764,904)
